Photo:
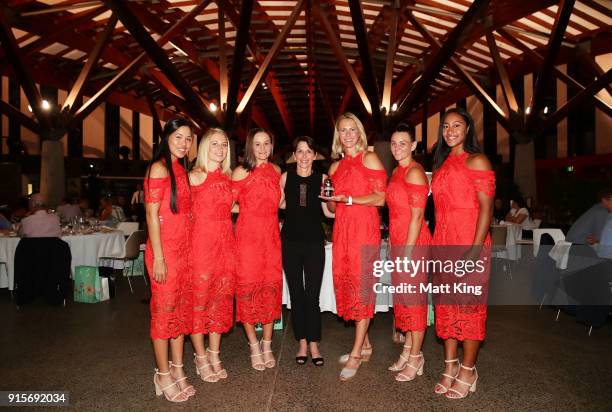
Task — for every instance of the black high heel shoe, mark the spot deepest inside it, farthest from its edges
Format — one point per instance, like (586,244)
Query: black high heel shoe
(318,361)
(301,360)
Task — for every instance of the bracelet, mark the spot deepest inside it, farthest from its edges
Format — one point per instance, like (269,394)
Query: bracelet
(349,201)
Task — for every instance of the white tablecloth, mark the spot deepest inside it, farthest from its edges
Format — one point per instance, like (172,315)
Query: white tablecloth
(327,297)
(85,249)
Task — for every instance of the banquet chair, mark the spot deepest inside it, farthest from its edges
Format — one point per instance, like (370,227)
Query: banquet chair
(127,227)
(556,234)
(499,249)
(536,223)
(42,267)
(131,252)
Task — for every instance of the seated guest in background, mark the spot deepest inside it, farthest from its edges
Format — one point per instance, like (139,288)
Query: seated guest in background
(40,223)
(5,223)
(499,211)
(518,214)
(106,215)
(604,246)
(138,202)
(85,207)
(588,228)
(123,209)
(68,209)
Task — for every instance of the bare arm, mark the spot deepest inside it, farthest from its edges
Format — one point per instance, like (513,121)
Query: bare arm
(283,182)
(485,202)
(154,229)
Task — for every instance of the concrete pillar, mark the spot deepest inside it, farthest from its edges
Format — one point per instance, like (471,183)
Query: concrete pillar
(524,169)
(52,174)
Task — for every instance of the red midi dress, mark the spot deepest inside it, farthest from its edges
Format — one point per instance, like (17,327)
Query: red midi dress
(454,189)
(356,239)
(213,254)
(410,308)
(259,271)
(171,307)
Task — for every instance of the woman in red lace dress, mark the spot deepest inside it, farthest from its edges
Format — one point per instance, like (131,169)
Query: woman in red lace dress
(259,272)
(463,187)
(359,181)
(409,237)
(167,203)
(213,252)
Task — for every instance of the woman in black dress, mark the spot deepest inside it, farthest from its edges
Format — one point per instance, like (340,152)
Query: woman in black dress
(304,248)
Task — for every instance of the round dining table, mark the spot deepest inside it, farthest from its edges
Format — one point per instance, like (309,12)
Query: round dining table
(86,250)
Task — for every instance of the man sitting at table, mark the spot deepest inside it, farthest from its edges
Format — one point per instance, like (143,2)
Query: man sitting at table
(40,223)
(587,229)
(69,209)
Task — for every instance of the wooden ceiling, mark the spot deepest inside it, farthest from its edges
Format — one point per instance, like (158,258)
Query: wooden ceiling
(293,66)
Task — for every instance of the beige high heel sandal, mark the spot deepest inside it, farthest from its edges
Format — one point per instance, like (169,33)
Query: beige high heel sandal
(222,374)
(258,366)
(471,387)
(349,373)
(366,353)
(189,389)
(446,375)
(159,390)
(211,377)
(401,377)
(268,363)
(396,367)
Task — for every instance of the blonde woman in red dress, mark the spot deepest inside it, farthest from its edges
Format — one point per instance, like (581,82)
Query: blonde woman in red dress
(359,181)
(213,252)
(409,237)
(259,272)
(463,188)
(167,207)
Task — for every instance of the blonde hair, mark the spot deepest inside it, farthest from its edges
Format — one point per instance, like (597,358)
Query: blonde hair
(202,159)
(362,143)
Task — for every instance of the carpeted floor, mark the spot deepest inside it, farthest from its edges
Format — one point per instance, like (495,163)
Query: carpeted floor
(102,355)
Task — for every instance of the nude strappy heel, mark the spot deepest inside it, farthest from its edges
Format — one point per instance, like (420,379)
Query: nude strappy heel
(395,367)
(400,377)
(159,390)
(258,366)
(349,373)
(221,373)
(211,377)
(471,387)
(189,389)
(272,362)
(444,389)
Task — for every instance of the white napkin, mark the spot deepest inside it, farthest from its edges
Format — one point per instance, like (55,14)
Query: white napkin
(560,253)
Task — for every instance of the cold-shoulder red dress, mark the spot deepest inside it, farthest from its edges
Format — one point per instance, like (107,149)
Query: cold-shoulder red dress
(455,189)
(409,309)
(213,254)
(171,307)
(259,271)
(356,238)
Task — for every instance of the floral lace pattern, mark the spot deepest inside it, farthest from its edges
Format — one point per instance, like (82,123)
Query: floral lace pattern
(401,198)
(171,302)
(259,272)
(455,188)
(213,255)
(356,239)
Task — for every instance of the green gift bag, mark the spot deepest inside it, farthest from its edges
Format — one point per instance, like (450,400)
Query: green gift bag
(85,280)
(138,268)
(278,324)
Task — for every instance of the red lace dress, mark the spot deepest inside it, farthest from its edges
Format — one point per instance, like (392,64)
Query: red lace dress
(356,239)
(213,254)
(259,272)
(409,309)
(171,304)
(455,188)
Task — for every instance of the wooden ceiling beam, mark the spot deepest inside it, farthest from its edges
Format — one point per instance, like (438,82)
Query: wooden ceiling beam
(502,74)
(440,57)
(339,53)
(77,89)
(370,82)
(159,56)
(564,13)
(15,114)
(21,71)
(223,77)
(391,48)
(242,38)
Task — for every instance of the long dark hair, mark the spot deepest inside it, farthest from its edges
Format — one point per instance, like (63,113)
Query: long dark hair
(470,144)
(250,161)
(163,153)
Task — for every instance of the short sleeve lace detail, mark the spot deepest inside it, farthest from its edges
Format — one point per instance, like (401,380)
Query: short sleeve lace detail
(483,181)
(154,189)
(417,195)
(377,180)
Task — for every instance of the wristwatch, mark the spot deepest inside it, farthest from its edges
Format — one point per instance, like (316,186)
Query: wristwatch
(349,201)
